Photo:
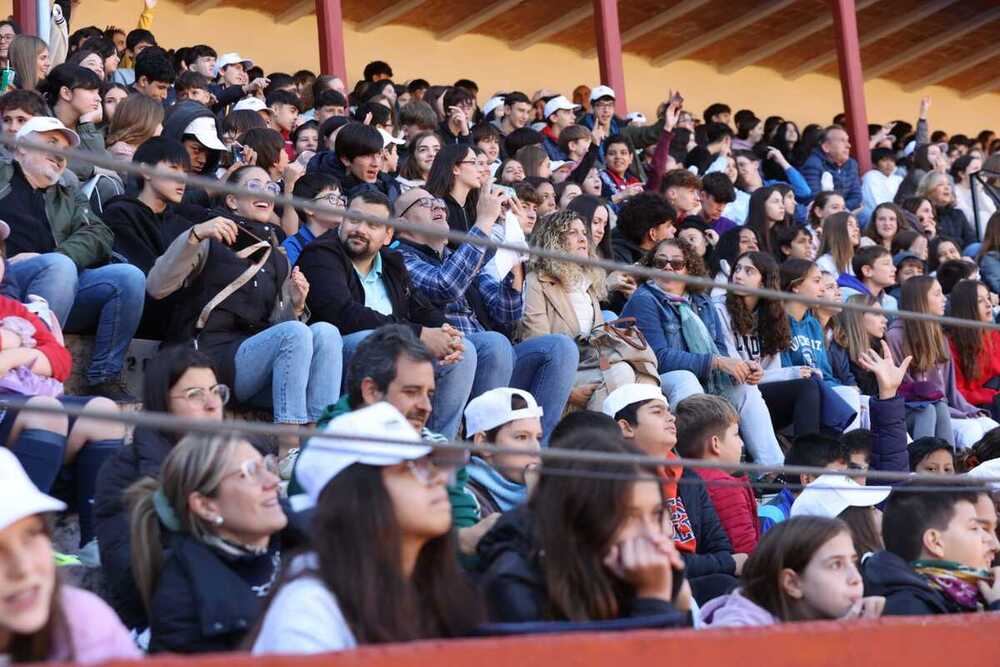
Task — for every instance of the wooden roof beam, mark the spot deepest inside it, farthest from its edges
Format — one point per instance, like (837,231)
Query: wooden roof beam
(470,23)
(296,11)
(682,8)
(950,70)
(772,46)
(923,48)
(872,36)
(555,27)
(389,14)
(721,32)
(987,87)
(201,6)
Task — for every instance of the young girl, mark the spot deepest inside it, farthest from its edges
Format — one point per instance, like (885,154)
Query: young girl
(988,257)
(43,620)
(73,92)
(932,373)
(804,569)
(809,344)
(854,334)
(910,241)
(841,237)
(617,183)
(886,221)
(455,177)
(940,250)
(932,455)
(732,244)
(614,560)
(793,242)
(976,351)
(824,204)
(381,522)
(767,212)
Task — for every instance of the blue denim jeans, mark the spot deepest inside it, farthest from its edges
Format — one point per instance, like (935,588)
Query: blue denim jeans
(106,300)
(293,368)
(545,366)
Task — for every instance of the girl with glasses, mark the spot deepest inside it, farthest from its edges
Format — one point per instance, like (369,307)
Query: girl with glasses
(217,504)
(683,329)
(242,304)
(179,381)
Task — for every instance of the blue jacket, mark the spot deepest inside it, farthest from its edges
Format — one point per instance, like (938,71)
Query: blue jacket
(889,446)
(846,179)
(658,317)
(776,510)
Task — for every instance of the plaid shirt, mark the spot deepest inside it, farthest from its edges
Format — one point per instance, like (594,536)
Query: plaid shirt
(444,280)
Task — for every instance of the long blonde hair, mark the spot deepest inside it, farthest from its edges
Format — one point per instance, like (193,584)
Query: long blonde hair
(23,59)
(548,234)
(196,464)
(135,120)
(849,328)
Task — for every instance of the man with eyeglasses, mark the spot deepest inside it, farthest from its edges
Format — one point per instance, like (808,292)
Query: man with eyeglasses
(482,306)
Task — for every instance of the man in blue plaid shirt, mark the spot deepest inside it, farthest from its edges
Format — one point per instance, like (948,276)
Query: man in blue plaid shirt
(482,306)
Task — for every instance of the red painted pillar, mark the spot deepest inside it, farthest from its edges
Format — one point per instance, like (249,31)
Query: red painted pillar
(330,19)
(25,14)
(609,50)
(852,80)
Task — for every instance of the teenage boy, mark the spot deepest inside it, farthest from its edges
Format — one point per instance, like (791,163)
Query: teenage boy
(233,82)
(144,226)
(285,108)
(574,142)
(359,284)
(59,250)
(201,58)
(718,112)
(939,551)
(191,85)
(719,142)
(459,105)
(193,125)
(136,42)
(517,113)
(879,185)
(812,450)
(480,305)
(708,428)
(16,108)
(643,221)
(681,189)
(323,190)
(874,273)
(716,193)
(154,74)
(644,417)
(559,114)
(330,103)
(416,117)
(511,419)
(487,138)
(357,161)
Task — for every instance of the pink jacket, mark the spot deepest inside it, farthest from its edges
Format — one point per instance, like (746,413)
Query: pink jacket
(735,611)
(95,632)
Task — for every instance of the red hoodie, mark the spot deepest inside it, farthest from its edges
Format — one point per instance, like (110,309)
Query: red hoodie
(736,506)
(989,367)
(58,356)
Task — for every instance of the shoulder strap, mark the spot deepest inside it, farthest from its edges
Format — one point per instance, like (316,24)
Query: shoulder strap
(240,281)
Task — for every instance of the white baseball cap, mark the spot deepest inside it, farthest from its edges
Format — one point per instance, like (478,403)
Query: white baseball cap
(19,497)
(988,469)
(556,165)
(322,459)
(203,129)
(624,396)
(601,91)
(387,138)
(636,117)
(558,103)
(48,124)
(829,495)
(251,104)
(227,59)
(492,409)
(492,103)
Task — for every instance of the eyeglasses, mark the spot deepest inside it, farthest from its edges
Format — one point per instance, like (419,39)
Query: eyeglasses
(333,199)
(257,470)
(257,185)
(427,469)
(427,202)
(675,264)
(199,396)
(604,105)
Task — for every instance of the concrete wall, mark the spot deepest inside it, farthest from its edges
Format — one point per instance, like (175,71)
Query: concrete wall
(414,53)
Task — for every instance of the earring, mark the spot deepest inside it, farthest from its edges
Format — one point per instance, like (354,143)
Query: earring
(218,520)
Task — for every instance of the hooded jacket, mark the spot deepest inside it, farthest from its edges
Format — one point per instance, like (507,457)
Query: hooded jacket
(906,592)
(327,162)
(337,296)
(140,234)
(735,611)
(180,116)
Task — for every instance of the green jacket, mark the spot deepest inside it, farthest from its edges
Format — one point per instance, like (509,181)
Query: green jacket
(464,509)
(78,232)
(92,141)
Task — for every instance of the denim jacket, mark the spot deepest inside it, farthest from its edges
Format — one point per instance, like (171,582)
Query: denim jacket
(659,318)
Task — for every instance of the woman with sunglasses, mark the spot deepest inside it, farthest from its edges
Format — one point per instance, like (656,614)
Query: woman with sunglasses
(179,381)
(216,504)
(683,329)
(241,303)
(381,522)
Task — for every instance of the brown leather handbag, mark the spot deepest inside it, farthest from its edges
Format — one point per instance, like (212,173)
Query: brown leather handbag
(625,357)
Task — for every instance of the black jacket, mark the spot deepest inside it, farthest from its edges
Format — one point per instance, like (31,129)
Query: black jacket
(178,118)
(714,554)
(327,162)
(448,137)
(206,601)
(514,584)
(337,296)
(143,458)
(906,592)
(953,224)
(623,249)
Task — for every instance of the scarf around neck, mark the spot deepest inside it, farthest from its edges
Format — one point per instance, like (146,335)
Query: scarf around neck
(958,583)
(506,493)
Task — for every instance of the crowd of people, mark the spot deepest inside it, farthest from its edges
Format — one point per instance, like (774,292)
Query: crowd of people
(400,341)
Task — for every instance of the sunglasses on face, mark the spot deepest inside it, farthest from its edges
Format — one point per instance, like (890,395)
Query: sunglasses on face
(664,262)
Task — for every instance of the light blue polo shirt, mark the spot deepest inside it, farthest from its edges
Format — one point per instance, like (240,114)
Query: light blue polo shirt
(376,296)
